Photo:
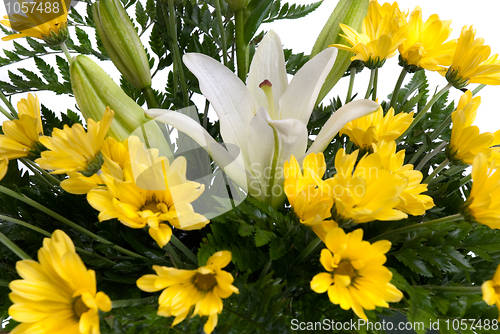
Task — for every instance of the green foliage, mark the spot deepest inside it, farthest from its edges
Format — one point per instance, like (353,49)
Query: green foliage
(273,258)
(288,11)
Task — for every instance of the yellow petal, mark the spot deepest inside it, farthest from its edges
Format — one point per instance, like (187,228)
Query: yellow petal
(210,324)
(321,282)
(161,234)
(103,302)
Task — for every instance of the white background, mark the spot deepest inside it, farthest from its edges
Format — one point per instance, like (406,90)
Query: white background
(301,34)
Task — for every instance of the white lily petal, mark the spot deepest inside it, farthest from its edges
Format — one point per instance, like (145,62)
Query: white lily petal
(292,136)
(229,96)
(268,64)
(230,162)
(299,99)
(346,114)
(260,150)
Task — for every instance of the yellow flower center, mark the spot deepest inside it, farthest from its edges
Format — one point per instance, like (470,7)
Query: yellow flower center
(151,206)
(80,307)
(205,282)
(345,268)
(497,289)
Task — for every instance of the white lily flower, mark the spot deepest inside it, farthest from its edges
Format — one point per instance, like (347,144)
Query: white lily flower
(266,119)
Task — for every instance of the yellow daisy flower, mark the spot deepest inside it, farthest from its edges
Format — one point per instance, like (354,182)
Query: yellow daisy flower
(203,288)
(50,24)
(365,193)
(356,278)
(411,199)
(383,30)
(376,127)
(472,62)
(73,149)
(58,293)
(308,202)
(466,141)
(491,290)
(151,192)
(483,204)
(22,136)
(426,46)
(115,155)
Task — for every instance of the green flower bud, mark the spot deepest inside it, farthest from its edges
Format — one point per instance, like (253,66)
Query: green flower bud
(57,37)
(237,4)
(94,90)
(121,41)
(348,12)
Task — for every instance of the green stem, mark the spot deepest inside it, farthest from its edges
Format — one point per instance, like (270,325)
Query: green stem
(6,114)
(66,51)
(308,250)
(465,180)
(430,155)
(421,113)
(452,289)
(218,12)
(66,221)
(176,260)
(13,247)
(370,84)
(86,252)
(25,224)
(36,174)
(186,251)
(375,82)
(133,302)
(418,226)
(34,167)
(9,105)
(399,83)
(205,115)
(266,268)
(478,89)
(433,136)
(351,84)
(4,283)
(149,95)
(47,234)
(436,171)
(241,47)
(176,52)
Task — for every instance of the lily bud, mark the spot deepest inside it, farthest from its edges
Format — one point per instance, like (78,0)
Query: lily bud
(94,90)
(121,41)
(348,12)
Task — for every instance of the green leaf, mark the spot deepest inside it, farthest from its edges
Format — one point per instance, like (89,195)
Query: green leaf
(245,229)
(47,71)
(263,237)
(290,12)
(35,45)
(151,9)
(140,15)
(83,37)
(63,66)
(277,248)
(256,17)
(410,259)
(70,118)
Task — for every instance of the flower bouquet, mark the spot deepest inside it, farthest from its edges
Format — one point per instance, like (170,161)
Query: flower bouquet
(214,188)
